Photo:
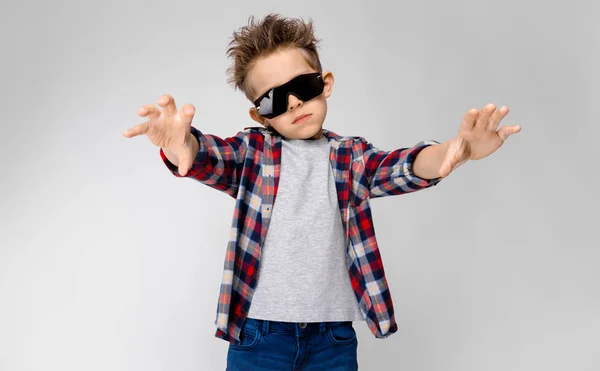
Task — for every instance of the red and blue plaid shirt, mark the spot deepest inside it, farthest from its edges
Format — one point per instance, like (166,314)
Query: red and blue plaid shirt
(247,167)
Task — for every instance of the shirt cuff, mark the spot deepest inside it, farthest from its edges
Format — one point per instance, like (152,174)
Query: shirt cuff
(408,165)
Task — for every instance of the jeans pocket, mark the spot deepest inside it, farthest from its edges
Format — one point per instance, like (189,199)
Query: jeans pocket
(249,338)
(341,333)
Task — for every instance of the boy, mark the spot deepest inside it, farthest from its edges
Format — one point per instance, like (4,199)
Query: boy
(309,263)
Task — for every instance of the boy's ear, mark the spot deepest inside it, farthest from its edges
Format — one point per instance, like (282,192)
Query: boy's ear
(257,117)
(328,80)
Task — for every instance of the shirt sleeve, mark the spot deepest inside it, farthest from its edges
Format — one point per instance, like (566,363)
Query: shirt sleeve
(390,172)
(219,161)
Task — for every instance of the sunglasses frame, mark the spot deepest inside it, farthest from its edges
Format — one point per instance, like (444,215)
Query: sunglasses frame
(319,77)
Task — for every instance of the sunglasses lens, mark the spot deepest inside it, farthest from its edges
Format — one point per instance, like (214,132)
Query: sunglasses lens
(265,104)
(308,86)
(275,101)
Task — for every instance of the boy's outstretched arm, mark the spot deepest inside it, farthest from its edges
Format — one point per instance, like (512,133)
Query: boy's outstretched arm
(172,157)
(186,151)
(217,161)
(477,138)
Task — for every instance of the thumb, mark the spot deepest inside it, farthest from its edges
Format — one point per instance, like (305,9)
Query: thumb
(184,166)
(447,164)
(507,131)
(182,169)
(453,154)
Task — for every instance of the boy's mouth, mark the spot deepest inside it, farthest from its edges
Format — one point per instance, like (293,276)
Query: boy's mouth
(301,118)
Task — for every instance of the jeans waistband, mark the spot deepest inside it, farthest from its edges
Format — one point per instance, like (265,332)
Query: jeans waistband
(267,326)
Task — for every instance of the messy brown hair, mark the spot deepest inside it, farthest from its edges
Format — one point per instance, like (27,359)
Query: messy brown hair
(262,38)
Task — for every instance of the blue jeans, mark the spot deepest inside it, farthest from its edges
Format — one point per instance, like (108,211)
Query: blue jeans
(283,346)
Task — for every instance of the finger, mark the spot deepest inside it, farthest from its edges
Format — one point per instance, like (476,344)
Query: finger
(484,116)
(188,111)
(469,119)
(150,111)
(507,131)
(168,103)
(137,130)
(497,117)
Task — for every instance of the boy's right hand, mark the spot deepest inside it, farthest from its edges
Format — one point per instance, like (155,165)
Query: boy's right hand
(169,130)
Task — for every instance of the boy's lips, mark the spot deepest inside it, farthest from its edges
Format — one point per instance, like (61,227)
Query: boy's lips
(301,117)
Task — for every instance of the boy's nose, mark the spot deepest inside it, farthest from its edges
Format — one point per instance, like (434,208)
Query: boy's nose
(293,102)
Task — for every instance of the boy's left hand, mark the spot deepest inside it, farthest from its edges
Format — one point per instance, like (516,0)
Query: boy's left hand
(477,137)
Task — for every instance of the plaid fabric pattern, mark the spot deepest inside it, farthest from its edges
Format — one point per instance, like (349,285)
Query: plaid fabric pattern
(247,167)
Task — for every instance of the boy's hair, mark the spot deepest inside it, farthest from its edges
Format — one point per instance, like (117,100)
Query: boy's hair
(261,39)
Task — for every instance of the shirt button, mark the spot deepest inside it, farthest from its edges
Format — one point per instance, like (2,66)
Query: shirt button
(302,324)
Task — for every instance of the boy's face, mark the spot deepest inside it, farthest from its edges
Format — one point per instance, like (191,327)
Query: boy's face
(276,69)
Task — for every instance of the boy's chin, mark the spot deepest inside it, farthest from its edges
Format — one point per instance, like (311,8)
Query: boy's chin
(311,135)
(298,132)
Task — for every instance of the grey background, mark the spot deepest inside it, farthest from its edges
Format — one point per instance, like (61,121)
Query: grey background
(108,262)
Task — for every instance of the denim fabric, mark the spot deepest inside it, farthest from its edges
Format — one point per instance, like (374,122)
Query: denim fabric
(294,346)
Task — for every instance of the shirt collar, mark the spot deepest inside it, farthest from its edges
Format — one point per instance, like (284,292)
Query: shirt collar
(327,133)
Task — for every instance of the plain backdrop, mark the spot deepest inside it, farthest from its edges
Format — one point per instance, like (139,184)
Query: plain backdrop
(109,262)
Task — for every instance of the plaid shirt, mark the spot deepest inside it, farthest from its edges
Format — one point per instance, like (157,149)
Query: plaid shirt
(247,167)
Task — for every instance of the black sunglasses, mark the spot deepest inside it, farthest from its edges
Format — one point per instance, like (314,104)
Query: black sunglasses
(275,101)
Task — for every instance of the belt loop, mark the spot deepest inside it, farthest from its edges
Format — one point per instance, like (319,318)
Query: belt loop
(322,328)
(265,327)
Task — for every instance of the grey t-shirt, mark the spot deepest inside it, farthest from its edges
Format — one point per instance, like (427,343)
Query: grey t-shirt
(303,275)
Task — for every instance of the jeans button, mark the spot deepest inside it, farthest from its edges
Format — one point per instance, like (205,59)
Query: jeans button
(302,325)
